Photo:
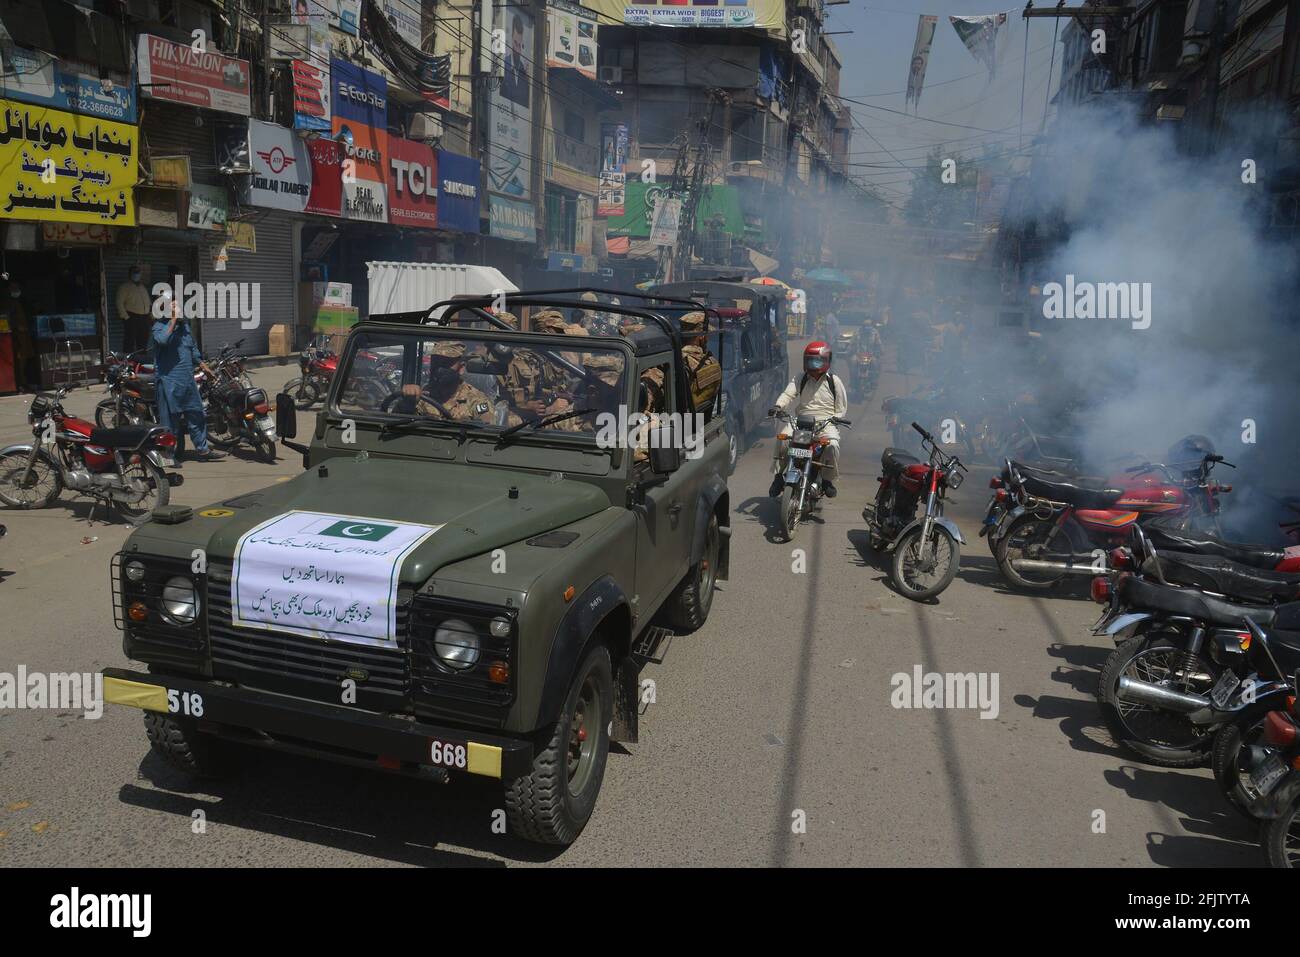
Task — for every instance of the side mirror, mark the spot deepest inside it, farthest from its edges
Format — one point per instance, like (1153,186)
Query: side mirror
(286,416)
(665,460)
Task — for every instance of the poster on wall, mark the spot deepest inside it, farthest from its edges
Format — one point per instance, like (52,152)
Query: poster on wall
(66,168)
(177,73)
(311,97)
(35,77)
(511,129)
(766,15)
(359,100)
(613,160)
(571,38)
(208,208)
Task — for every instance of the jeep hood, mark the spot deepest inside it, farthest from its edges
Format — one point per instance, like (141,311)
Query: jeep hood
(473,505)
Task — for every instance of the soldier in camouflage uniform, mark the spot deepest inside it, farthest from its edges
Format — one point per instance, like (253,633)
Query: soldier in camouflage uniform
(700,362)
(447,394)
(529,382)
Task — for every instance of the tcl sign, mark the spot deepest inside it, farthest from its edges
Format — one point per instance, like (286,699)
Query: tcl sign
(412,184)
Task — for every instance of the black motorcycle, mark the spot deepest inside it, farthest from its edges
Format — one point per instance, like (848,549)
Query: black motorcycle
(239,415)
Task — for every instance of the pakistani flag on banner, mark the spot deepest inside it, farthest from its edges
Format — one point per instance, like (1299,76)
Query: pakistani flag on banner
(982,36)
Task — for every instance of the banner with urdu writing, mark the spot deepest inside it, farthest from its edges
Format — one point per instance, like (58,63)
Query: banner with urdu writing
(323,576)
(62,167)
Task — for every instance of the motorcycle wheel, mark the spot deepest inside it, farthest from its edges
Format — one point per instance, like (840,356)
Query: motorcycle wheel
(219,435)
(913,582)
(42,488)
(1281,838)
(264,448)
(156,494)
(1228,743)
(789,512)
(1164,738)
(304,393)
(106,414)
(1022,539)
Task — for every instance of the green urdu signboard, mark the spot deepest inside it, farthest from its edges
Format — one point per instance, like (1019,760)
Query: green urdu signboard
(719,203)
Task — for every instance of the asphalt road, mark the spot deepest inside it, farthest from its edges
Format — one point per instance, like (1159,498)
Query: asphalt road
(772,739)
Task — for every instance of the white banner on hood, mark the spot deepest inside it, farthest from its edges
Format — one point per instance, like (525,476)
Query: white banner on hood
(323,576)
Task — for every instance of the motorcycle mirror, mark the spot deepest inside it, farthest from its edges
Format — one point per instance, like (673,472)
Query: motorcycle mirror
(286,416)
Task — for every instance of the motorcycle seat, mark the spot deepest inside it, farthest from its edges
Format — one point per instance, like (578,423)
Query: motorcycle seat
(129,437)
(1203,543)
(1071,493)
(1051,475)
(1216,573)
(895,460)
(1137,593)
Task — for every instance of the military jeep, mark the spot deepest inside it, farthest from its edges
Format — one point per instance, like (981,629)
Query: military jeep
(453,584)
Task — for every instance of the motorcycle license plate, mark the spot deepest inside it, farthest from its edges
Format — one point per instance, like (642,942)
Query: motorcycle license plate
(1223,689)
(267,425)
(801,453)
(1265,777)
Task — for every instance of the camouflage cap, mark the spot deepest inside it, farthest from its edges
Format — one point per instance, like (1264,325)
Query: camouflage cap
(509,317)
(447,349)
(549,320)
(576,329)
(695,322)
(590,296)
(607,368)
(628,326)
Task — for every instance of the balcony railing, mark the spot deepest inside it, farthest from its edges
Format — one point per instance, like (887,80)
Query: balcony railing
(573,154)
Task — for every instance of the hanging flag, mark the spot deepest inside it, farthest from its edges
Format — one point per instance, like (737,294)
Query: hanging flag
(925,27)
(982,36)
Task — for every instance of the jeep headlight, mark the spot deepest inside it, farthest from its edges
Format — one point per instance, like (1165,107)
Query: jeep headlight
(457,644)
(180,601)
(134,572)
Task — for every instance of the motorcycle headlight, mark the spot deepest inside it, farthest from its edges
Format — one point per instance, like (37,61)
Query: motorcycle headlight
(180,601)
(954,479)
(457,644)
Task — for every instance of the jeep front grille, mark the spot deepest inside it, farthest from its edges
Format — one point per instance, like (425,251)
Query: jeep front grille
(306,667)
(468,696)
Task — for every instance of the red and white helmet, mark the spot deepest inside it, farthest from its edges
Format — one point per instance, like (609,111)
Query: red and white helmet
(816,358)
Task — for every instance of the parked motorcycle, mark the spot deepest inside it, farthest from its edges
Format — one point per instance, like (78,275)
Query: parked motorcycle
(124,467)
(927,548)
(801,468)
(238,414)
(1166,690)
(317,365)
(1064,527)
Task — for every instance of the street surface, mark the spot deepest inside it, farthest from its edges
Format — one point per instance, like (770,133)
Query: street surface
(781,704)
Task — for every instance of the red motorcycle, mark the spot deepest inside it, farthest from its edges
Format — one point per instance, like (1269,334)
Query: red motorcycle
(124,468)
(1056,526)
(318,366)
(926,547)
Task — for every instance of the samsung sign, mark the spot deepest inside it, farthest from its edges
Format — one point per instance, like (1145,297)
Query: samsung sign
(458,184)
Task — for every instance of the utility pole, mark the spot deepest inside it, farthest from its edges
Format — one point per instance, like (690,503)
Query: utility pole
(1212,68)
(689,185)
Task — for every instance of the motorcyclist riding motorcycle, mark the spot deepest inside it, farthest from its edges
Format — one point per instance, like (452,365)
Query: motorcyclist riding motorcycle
(820,394)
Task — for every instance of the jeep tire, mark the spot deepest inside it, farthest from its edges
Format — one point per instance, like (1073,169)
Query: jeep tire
(552,803)
(179,743)
(688,607)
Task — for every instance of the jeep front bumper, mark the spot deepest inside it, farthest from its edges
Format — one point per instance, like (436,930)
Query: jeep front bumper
(339,732)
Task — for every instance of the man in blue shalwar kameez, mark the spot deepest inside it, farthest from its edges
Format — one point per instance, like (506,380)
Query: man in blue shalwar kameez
(180,407)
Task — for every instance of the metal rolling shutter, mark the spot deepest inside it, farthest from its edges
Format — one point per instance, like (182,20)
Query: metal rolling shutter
(272,268)
(156,257)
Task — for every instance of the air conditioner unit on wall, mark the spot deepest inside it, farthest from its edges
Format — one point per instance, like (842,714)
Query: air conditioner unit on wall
(611,74)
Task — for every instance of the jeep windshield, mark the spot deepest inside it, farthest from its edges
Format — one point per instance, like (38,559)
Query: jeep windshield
(482,381)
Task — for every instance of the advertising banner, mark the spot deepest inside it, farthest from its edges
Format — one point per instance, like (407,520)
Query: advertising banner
(571,38)
(281,169)
(326,194)
(613,159)
(359,100)
(175,72)
(510,119)
(985,37)
(209,208)
(412,184)
(766,15)
(66,168)
(35,77)
(458,200)
(311,97)
(925,26)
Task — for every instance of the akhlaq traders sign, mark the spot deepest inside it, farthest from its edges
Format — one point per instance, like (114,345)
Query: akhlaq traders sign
(66,168)
(323,576)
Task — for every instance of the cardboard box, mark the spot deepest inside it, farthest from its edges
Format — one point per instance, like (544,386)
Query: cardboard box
(280,340)
(337,342)
(334,319)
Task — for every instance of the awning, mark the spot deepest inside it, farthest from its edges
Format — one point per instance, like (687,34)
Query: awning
(764,264)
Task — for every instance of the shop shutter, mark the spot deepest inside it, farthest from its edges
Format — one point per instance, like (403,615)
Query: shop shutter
(272,268)
(156,257)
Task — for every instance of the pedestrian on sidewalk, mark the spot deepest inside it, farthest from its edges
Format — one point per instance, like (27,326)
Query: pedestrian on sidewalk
(133,309)
(175,355)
